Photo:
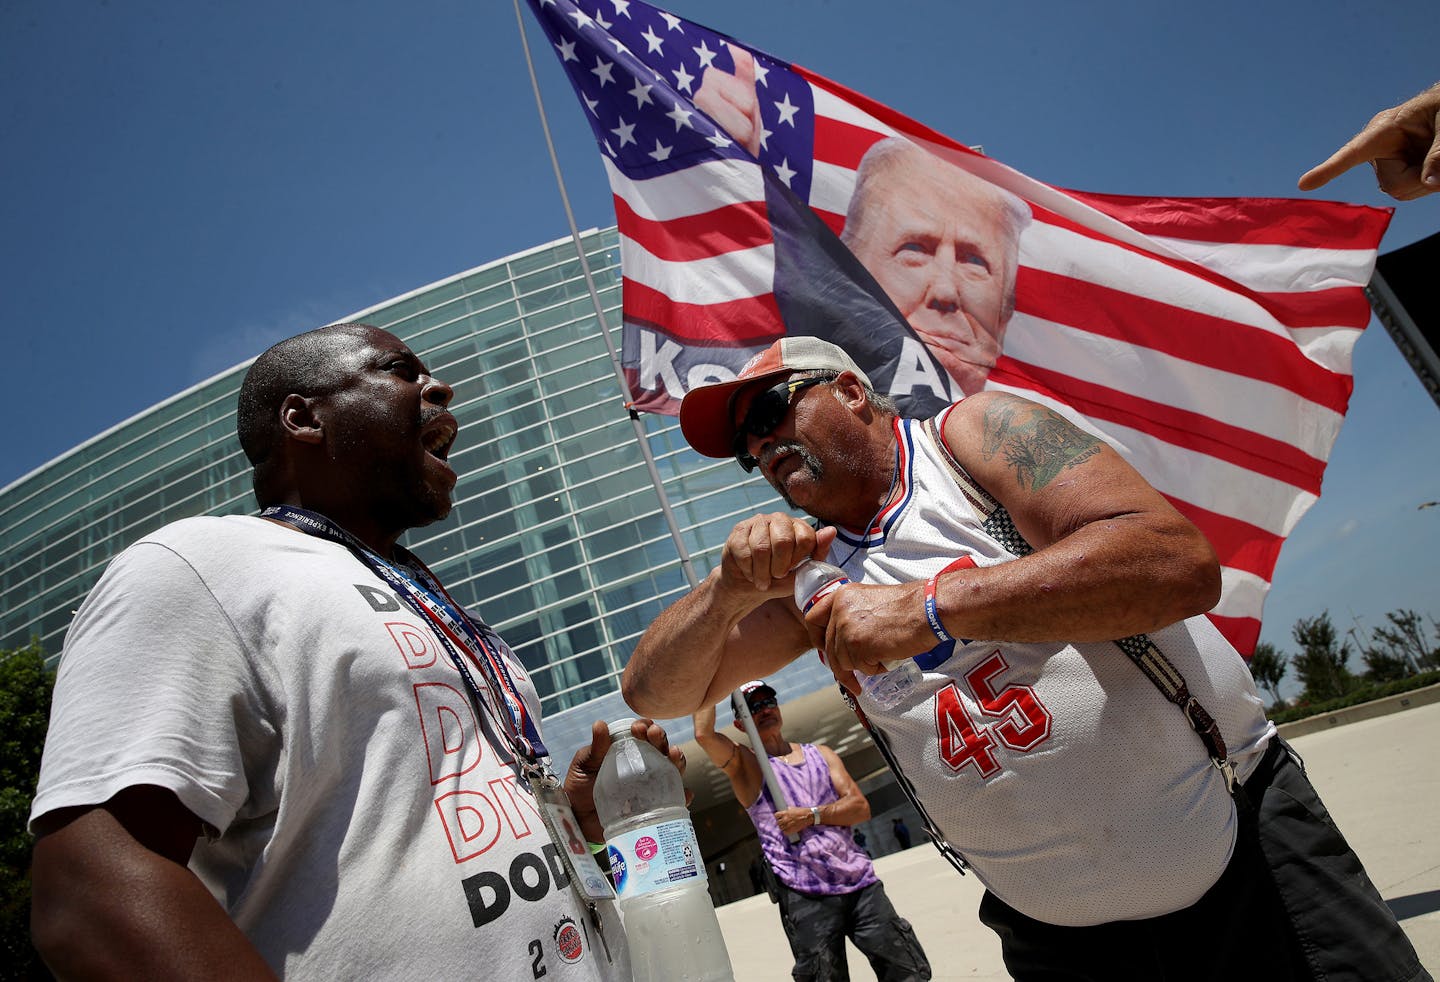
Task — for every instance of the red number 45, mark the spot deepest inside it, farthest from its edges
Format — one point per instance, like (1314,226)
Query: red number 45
(1021,721)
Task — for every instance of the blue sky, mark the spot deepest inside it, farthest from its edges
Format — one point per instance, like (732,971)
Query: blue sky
(185,183)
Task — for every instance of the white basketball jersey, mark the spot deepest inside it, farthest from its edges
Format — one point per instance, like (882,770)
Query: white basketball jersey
(1078,794)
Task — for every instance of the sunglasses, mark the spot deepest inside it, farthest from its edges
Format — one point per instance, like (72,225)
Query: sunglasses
(767,411)
(763,702)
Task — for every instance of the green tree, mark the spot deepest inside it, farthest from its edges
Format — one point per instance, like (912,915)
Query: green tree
(1321,665)
(1404,640)
(25,685)
(1268,666)
(1383,665)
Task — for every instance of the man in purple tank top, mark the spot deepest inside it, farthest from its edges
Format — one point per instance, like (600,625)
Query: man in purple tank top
(828,890)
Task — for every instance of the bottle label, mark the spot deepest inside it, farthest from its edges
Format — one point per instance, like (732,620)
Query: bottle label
(656,856)
(823,592)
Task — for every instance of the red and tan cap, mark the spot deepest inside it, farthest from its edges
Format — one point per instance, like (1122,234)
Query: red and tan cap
(706,417)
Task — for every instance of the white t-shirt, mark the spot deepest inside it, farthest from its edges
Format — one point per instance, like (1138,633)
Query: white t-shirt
(360,824)
(1076,791)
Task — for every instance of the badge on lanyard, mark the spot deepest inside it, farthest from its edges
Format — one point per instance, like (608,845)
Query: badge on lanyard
(564,828)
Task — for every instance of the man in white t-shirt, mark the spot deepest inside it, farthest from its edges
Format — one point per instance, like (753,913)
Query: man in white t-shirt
(1022,611)
(278,747)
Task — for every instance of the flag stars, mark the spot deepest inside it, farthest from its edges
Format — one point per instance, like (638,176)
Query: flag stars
(653,41)
(619,46)
(600,19)
(681,116)
(672,20)
(591,104)
(582,19)
(625,131)
(567,51)
(787,110)
(720,140)
(683,79)
(622,8)
(784,172)
(602,71)
(641,93)
(706,55)
(762,74)
(661,152)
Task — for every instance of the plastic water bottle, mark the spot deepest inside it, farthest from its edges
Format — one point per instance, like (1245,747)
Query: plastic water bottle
(816,579)
(655,862)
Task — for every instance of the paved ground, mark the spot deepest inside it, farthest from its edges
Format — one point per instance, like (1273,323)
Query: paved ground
(1379,778)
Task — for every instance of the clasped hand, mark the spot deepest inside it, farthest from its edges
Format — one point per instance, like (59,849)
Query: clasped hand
(861,627)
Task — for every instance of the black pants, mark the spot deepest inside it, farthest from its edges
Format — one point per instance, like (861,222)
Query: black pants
(817,927)
(1293,904)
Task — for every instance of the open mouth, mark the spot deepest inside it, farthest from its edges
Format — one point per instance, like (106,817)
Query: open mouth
(439,437)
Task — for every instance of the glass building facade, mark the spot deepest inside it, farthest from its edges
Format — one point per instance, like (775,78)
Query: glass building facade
(557,536)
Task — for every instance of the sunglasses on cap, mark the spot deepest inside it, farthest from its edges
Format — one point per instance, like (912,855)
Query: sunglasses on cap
(767,411)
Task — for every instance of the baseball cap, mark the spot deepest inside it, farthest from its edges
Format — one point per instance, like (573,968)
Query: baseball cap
(753,691)
(706,418)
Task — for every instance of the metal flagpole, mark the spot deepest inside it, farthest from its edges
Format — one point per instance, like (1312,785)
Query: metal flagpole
(776,793)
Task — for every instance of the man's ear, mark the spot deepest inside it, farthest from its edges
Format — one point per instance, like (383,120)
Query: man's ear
(851,392)
(297,416)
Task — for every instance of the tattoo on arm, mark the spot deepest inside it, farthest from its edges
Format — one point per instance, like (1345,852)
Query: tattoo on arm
(1039,444)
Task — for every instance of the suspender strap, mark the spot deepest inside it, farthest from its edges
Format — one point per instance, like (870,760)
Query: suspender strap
(932,831)
(1139,648)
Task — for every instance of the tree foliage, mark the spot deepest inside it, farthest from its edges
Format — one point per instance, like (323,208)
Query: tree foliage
(25,686)
(1404,641)
(1268,665)
(1321,665)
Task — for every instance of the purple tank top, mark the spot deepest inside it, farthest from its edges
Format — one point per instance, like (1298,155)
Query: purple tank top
(826,860)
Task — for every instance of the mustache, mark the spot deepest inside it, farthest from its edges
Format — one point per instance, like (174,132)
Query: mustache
(806,455)
(807,459)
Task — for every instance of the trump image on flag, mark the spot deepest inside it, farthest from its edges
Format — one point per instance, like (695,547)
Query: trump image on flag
(1207,340)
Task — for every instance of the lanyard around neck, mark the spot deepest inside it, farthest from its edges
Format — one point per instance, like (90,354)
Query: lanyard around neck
(414,584)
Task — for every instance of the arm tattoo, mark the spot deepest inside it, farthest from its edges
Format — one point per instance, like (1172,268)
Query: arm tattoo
(1039,446)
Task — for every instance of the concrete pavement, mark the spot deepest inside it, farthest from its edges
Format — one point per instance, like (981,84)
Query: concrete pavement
(1379,778)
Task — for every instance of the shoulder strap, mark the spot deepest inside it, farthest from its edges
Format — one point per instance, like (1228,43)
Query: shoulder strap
(1139,648)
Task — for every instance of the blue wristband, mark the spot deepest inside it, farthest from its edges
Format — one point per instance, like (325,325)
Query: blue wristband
(932,614)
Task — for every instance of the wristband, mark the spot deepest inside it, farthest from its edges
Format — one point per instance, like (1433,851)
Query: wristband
(815,815)
(932,615)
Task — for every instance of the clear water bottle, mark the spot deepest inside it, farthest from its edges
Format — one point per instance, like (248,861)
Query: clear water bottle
(655,862)
(814,580)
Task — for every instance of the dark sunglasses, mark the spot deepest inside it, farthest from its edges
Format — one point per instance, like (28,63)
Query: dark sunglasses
(767,411)
(763,702)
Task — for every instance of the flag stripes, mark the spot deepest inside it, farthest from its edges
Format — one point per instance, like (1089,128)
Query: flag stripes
(1208,339)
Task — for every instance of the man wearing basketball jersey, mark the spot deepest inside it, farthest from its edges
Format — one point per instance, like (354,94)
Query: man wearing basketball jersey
(1024,631)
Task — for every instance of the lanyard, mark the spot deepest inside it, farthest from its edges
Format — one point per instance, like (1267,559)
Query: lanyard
(423,593)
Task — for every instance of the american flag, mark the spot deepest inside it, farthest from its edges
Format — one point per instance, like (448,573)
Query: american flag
(1207,339)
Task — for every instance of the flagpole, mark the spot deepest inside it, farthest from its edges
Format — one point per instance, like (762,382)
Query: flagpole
(639,427)
(741,707)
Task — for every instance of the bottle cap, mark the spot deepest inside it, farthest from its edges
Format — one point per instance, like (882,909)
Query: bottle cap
(621,727)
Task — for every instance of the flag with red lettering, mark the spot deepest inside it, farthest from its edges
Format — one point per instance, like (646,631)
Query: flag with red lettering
(1207,340)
